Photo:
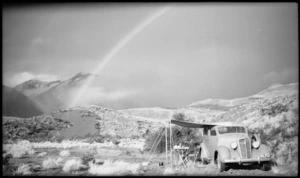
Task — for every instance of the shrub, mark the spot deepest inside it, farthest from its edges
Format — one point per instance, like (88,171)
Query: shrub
(98,126)
(6,159)
(187,136)
(87,158)
(99,139)
(179,116)
(115,141)
(274,110)
(134,137)
(23,169)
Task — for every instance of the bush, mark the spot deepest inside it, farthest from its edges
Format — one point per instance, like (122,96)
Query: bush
(87,158)
(115,141)
(179,116)
(99,139)
(134,137)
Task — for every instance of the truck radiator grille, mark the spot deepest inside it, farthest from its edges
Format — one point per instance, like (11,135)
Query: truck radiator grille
(245,148)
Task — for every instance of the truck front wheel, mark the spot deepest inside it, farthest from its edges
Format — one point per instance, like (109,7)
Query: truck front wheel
(221,166)
(265,166)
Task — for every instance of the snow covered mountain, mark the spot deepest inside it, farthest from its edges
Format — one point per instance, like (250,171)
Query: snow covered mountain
(33,87)
(51,96)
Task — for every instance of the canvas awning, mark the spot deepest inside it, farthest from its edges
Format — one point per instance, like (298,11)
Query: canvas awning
(191,124)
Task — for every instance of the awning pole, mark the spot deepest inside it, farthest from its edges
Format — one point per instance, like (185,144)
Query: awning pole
(166,143)
(171,149)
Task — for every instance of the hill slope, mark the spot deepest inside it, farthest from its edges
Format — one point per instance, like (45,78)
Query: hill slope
(273,113)
(16,104)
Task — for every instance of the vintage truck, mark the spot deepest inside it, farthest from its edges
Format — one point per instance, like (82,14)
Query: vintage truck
(228,143)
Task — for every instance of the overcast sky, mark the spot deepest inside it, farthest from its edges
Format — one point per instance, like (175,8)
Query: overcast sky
(189,52)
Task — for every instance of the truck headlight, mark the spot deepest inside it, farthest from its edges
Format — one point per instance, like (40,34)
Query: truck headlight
(255,144)
(233,145)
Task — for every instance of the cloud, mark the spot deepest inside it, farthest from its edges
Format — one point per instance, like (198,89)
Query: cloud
(281,77)
(95,94)
(21,77)
(38,41)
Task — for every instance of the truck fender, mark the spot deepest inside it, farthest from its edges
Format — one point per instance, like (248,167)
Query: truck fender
(204,151)
(262,149)
(223,153)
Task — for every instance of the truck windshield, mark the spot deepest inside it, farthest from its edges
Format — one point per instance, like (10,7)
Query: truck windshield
(224,130)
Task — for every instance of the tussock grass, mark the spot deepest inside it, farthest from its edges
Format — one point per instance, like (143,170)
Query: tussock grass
(115,168)
(25,146)
(20,149)
(275,169)
(73,165)
(64,153)
(69,144)
(169,171)
(23,169)
(42,154)
(192,169)
(51,163)
(279,170)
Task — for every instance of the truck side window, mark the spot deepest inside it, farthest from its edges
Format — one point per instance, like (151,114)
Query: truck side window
(213,132)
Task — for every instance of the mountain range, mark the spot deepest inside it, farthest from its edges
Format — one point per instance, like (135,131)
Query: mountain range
(53,95)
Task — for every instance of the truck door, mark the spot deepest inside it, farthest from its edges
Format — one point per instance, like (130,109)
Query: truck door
(213,141)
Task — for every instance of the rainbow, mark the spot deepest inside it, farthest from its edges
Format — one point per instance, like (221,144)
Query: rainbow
(109,56)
